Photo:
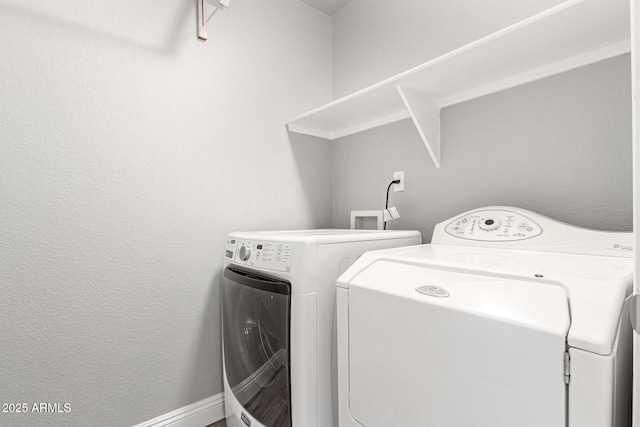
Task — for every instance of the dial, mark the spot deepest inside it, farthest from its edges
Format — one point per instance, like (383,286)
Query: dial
(489,224)
(244,253)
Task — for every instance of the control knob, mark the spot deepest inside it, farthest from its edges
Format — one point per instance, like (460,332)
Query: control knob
(244,253)
(490,224)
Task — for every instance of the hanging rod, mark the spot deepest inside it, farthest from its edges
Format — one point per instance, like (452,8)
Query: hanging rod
(202,14)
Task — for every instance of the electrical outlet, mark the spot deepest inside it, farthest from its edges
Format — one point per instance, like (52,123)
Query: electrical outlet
(400,176)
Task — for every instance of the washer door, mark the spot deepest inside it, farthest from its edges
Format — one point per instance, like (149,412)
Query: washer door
(431,347)
(256,312)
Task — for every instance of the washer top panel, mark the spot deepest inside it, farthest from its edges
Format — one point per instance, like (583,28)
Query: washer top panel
(594,268)
(493,225)
(514,228)
(325,236)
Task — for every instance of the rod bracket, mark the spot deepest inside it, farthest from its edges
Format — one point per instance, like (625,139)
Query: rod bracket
(204,15)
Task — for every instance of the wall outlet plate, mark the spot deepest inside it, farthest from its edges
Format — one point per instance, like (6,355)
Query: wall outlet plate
(400,176)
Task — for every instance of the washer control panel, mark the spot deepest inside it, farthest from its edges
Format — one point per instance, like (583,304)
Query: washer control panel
(260,253)
(493,226)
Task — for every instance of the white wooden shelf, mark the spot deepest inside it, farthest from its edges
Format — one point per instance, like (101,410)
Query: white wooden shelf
(570,35)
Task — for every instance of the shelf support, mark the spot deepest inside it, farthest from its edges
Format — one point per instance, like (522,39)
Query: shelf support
(425,114)
(203,17)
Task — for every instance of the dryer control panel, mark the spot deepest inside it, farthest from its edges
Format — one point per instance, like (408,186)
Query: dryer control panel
(260,253)
(493,226)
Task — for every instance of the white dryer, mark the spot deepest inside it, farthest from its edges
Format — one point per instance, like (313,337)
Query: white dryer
(507,319)
(278,321)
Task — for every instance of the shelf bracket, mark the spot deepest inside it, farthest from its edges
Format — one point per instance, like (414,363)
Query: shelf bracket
(425,114)
(204,16)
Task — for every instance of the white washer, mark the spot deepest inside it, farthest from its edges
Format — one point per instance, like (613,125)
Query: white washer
(278,321)
(507,318)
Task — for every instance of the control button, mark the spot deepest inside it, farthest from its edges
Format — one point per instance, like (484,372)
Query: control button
(244,253)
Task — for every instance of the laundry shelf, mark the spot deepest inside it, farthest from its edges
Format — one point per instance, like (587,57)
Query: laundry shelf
(569,35)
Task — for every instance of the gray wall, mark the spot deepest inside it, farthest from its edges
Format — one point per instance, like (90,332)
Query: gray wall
(560,146)
(128,151)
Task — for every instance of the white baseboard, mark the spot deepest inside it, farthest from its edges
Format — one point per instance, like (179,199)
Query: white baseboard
(199,414)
